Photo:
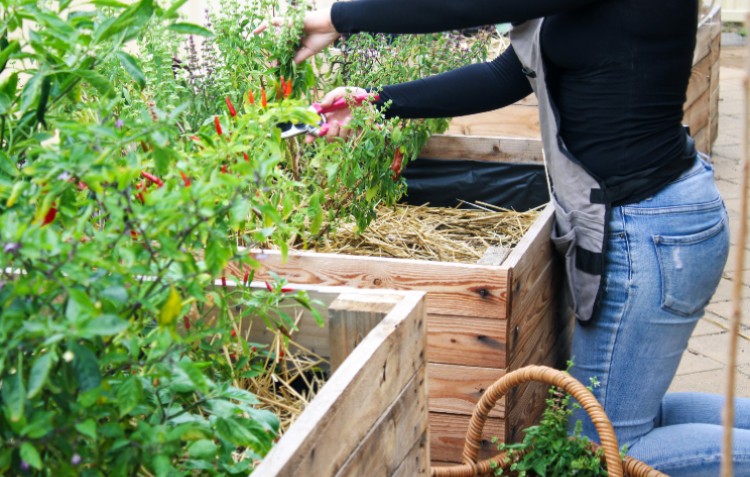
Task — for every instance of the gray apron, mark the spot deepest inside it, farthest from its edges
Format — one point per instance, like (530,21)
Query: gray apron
(580,212)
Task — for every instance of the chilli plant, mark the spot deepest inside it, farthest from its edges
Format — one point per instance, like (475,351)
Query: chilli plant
(139,153)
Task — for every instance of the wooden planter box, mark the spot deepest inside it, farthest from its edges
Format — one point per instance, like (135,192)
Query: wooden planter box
(370,418)
(481,319)
(521,120)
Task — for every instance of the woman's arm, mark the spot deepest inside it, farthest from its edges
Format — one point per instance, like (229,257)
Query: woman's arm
(426,16)
(472,89)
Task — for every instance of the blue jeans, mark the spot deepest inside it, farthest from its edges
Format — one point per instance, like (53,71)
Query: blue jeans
(665,256)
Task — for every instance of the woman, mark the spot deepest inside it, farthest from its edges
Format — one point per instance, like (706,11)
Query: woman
(639,220)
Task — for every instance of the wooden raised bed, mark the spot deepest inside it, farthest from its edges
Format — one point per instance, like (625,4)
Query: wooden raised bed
(481,319)
(521,120)
(370,418)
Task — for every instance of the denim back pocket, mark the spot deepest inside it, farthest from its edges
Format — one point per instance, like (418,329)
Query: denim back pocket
(691,267)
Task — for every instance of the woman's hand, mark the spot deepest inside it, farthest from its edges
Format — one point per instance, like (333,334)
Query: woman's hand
(338,120)
(318,32)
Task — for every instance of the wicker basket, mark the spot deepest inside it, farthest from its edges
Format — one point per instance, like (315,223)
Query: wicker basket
(616,467)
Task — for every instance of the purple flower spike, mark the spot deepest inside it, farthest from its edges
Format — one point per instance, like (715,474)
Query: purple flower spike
(76,459)
(119,123)
(25,465)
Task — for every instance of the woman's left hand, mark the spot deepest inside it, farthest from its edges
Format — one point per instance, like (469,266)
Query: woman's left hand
(318,32)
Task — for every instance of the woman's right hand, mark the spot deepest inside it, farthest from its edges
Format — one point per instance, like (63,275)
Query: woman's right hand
(318,32)
(338,120)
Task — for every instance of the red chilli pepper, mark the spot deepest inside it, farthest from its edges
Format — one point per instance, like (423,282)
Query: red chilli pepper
(398,158)
(230,106)
(133,234)
(186,322)
(287,290)
(234,333)
(152,178)
(224,169)
(269,287)
(247,158)
(223,281)
(263,98)
(185,179)
(288,89)
(50,216)
(217,125)
(246,278)
(250,97)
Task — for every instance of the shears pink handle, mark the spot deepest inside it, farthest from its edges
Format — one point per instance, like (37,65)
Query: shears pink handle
(342,103)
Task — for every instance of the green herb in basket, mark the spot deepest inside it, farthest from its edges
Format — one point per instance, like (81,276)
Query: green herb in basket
(549,450)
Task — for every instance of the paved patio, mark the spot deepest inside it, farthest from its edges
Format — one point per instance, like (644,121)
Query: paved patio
(704,366)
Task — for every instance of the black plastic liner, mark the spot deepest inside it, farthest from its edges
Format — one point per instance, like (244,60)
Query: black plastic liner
(444,183)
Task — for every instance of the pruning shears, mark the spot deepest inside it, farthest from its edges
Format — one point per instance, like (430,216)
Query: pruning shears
(289,129)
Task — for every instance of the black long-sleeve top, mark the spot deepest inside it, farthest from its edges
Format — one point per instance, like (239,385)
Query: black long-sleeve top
(617,71)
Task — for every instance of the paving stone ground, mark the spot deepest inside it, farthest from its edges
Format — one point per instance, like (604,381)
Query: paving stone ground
(704,365)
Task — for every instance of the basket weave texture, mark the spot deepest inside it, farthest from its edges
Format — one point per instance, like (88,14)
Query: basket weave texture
(472,467)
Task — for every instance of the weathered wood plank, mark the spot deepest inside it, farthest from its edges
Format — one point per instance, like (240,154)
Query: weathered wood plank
(466,341)
(417,463)
(375,373)
(457,389)
(708,29)
(350,318)
(526,403)
(448,435)
(537,319)
(533,298)
(516,120)
(461,289)
(700,75)
(481,148)
(535,246)
(400,429)
(697,116)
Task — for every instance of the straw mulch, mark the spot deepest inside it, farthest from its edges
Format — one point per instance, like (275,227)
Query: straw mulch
(433,233)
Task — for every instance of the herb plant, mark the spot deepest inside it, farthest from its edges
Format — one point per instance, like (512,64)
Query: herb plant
(550,449)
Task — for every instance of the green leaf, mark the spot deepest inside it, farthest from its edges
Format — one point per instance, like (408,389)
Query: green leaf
(104,325)
(39,373)
(217,256)
(6,456)
(87,428)
(109,3)
(233,431)
(130,65)
(316,214)
(41,425)
(195,375)
(85,367)
(240,395)
(79,306)
(5,53)
(31,91)
(191,29)
(10,85)
(172,10)
(14,395)
(4,103)
(135,16)
(203,449)
(98,81)
(162,465)
(30,455)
